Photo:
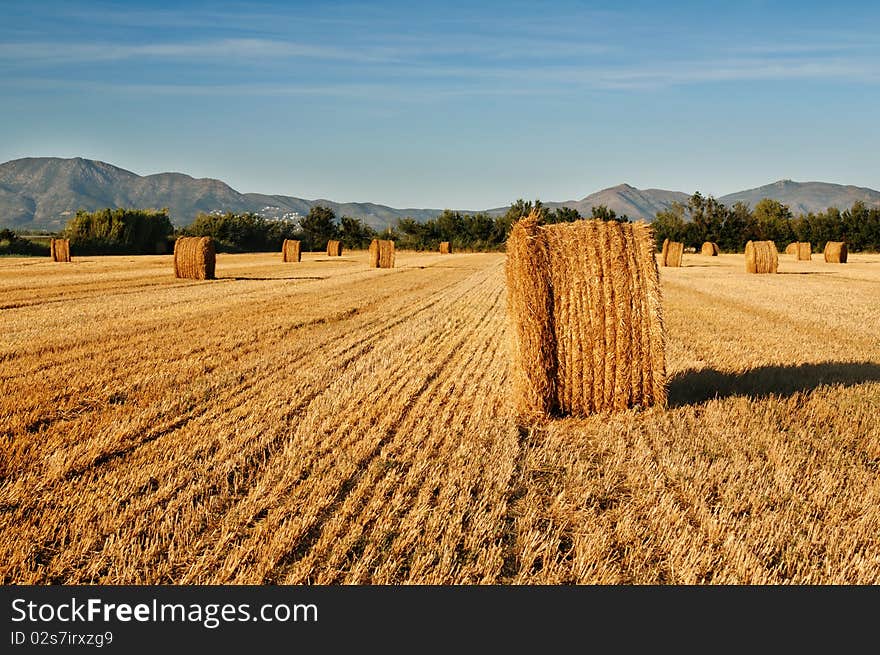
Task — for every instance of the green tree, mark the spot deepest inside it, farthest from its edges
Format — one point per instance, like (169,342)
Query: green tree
(772,222)
(738,221)
(602,213)
(354,233)
(670,224)
(563,214)
(318,227)
(120,231)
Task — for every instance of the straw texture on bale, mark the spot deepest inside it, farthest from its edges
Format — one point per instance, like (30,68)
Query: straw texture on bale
(709,248)
(334,248)
(445,248)
(584,307)
(835,252)
(194,258)
(290,251)
(672,252)
(381,253)
(804,251)
(761,257)
(792,248)
(59,250)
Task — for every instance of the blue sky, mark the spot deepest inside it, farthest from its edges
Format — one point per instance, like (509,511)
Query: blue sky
(465,105)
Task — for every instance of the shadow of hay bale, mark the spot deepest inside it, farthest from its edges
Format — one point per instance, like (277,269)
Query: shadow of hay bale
(697,386)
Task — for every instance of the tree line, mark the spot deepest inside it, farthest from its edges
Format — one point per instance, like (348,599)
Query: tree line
(701,218)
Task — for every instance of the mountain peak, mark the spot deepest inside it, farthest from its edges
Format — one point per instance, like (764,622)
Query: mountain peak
(42,192)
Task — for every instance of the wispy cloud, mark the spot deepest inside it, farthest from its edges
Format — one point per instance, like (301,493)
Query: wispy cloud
(54,53)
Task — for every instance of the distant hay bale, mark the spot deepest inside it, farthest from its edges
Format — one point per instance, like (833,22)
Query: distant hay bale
(673,251)
(445,248)
(381,253)
(835,252)
(804,251)
(663,252)
(761,257)
(290,251)
(792,248)
(59,250)
(585,315)
(334,248)
(709,248)
(194,258)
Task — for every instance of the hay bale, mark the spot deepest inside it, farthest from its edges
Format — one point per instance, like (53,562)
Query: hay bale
(194,258)
(334,248)
(673,253)
(59,250)
(585,315)
(804,251)
(761,257)
(710,248)
(663,252)
(381,253)
(792,248)
(835,252)
(290,251)
(445,248)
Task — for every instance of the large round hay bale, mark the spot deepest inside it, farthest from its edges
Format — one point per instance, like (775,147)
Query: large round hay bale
(792,248)
(835,252)
(761,257)
(334,248)
(674,251)
(381,253)
(585,313)
(445,248)
(59,250)
(709,248)
(194,258)
(804,251)
(290,251)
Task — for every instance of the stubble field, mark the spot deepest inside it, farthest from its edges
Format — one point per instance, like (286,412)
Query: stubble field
(324,422)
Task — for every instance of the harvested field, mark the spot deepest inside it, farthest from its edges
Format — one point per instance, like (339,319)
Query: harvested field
(336,423)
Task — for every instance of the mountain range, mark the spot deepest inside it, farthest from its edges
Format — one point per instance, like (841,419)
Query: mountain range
(42,193)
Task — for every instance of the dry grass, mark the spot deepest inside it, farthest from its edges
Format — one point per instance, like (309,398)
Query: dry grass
(290,251)
(584,306)
(194,258)
(59,250)
(334,248)
(835,252)
(342,425)
(672,253)
(381,253)
(761,257)
(710,248)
